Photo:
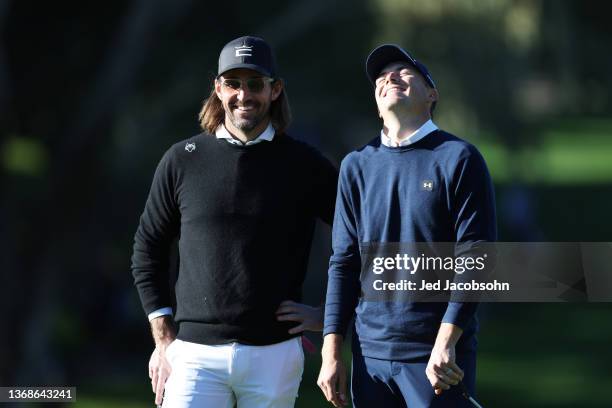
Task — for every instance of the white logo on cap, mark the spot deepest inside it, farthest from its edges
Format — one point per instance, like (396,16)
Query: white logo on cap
(244,51)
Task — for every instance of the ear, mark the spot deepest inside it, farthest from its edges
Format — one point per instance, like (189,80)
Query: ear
(277,88)
(433,95)
(218,89)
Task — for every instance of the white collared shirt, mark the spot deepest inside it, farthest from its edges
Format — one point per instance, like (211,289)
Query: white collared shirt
(425,129)
(267,135)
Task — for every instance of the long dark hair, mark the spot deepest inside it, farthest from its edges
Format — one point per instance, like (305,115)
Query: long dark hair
(212,114)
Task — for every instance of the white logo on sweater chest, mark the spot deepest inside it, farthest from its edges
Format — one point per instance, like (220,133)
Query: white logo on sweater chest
(190,147)
(427,185)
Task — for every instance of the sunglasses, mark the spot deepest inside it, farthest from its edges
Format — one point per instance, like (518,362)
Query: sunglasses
(254,85)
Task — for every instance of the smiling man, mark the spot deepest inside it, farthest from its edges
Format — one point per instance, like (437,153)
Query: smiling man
(242,198)
(412,183)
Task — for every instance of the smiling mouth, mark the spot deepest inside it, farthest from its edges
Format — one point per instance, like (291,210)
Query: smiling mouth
(248,108)
(394,88)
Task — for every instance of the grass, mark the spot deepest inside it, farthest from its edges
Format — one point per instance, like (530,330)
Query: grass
(531,355)
(566,153)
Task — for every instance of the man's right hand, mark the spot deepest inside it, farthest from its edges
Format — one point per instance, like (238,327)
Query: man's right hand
(164,334)
(332,378)
(159,371)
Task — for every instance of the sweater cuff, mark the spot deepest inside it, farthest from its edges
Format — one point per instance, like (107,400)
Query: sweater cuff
(460,314)
(334,329)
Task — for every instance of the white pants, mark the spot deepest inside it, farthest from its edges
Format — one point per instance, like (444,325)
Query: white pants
(221,376)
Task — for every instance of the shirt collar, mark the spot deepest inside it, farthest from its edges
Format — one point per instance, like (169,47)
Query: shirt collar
(267,135)
(425,129)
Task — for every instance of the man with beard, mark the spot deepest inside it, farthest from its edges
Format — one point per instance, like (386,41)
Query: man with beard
(242,197)
(413,183)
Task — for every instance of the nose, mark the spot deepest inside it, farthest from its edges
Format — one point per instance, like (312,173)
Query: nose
(243,92)
(391,76)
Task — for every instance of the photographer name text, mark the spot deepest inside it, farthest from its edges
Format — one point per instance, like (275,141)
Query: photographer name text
(407,285)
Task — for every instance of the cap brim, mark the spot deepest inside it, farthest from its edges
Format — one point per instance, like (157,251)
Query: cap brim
(247,66)
(384,55)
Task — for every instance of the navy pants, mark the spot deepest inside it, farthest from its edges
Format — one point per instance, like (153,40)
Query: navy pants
(392,384)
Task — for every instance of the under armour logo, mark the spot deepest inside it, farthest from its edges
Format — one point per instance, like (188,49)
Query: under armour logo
(190,147)
(427,185)
(244,51)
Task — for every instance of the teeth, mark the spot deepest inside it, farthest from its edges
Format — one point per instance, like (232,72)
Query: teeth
(393,89)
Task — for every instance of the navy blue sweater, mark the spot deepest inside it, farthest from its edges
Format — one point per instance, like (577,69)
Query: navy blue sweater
(381,199)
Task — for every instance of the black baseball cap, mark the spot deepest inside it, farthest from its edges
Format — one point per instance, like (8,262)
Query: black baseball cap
(248,52)
(388,53)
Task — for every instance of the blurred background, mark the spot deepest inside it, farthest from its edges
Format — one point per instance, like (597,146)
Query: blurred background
(93,93)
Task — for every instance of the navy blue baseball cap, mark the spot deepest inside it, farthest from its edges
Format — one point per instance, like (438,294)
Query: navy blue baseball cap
(388,53)
(248,52)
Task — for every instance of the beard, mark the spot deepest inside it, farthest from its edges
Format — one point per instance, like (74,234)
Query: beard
(245,124)
(249,122)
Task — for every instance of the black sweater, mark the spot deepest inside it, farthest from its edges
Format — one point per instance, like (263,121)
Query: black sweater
(245,218)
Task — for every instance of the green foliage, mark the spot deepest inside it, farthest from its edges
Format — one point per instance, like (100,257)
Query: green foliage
(24,156)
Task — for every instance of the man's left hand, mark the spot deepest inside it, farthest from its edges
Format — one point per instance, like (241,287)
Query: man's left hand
(310,318)
(442,371)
